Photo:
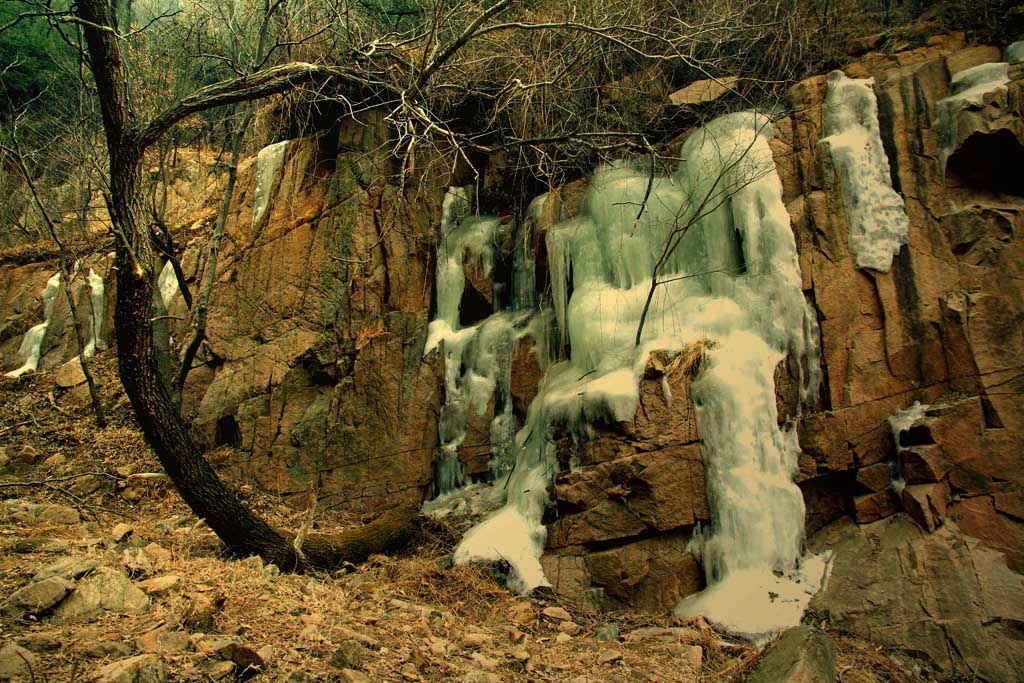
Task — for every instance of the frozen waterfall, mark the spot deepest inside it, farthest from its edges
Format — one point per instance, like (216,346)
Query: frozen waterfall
(875,212)
(32,343)
(732,281)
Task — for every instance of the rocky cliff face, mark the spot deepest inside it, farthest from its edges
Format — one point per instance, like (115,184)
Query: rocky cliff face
(315,367)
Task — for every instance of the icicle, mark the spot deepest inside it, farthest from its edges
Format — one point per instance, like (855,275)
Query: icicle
(32,343)
(899,422)
(167,284)
(969,89)
(97,314)
(875,213)
(268,165)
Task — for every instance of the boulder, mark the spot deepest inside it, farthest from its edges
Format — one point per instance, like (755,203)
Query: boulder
(706,90)
(16,663)
(148,668)
(943,597)
(105,590)
(37,597)
(802,654)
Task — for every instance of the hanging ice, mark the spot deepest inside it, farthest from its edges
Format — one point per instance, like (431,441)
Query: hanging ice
(899,422)
(96,315)
(32,343)
(969,89)
(268,166)
(167,284)
(733,279)
(477,359)
(874,211)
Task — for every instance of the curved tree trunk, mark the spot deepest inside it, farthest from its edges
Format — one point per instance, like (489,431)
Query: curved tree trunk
(156,410)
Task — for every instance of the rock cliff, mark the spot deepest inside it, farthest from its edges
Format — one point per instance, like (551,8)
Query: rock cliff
(314,367)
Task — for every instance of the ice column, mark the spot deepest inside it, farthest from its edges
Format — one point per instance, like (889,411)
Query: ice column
(268,166)
(969,89)
(32,343)
(97,314)
(875,212)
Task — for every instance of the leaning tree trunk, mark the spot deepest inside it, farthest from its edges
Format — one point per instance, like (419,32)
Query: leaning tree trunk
(157,412)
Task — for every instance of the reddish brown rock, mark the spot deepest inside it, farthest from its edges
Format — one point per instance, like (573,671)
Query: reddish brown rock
(926,504)
(872,507)
(874,478)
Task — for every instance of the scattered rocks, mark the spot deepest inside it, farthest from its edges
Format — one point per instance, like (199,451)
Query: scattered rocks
(140,669)
(609,633)
(58,515)
(105,590)
(107,648)
(609,656)
(563,638)
(163,641)
(802,654)
(556,614)
(160,584)
(349,655)
(120,532)
(472,641)
(66,568)
(158,552)
(16,661)
(37,597)
(353,676)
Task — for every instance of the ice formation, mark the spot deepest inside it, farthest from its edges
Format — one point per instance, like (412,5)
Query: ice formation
(1014,52)
(899,422)
(97,313)
(733,280)
(969,89)
(268,165)
(478,359)
(874,211)
(167,284)
(32,343)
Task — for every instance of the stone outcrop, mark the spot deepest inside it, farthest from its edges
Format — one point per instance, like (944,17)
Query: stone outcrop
(626,512)
(317,326)
(801,655)
(944,597)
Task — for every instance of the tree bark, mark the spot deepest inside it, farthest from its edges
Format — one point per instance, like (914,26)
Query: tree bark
(158,414)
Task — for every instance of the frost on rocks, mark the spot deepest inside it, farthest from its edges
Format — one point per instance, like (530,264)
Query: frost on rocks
(853,145)
(969,88)
(268,165)
(97,314)
(32,343)
(734,281)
